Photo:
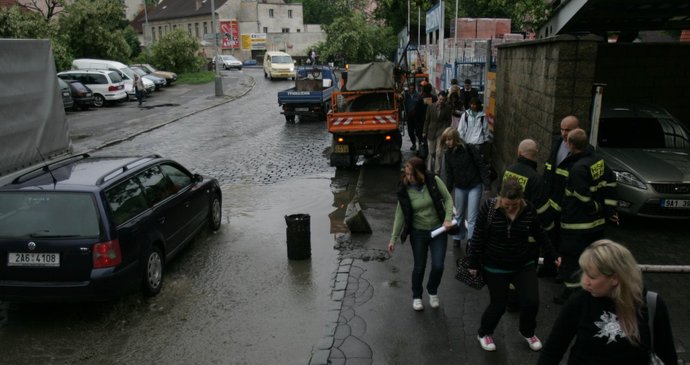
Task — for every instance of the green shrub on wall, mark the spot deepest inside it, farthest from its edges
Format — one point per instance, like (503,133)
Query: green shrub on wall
(177,51)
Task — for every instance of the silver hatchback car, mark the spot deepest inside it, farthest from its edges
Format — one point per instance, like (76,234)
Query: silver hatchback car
(649,151)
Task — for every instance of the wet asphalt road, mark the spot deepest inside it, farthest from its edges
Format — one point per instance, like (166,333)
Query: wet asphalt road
(232,297)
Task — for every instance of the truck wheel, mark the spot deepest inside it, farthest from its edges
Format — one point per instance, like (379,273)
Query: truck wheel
(290,119)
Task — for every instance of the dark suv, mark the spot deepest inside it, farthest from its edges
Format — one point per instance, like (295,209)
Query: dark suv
(94,228)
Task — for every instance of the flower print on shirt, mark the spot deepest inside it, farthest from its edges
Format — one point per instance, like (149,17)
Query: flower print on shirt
(609,327)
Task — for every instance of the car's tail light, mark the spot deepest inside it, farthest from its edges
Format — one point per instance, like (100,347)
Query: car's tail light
(113,88)
(107,254)
(388,138)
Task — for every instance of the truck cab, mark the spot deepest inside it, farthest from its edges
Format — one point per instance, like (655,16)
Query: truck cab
(311,95)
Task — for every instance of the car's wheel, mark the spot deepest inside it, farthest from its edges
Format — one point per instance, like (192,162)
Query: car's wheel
(290,119)
(98,100)
(239,68)
(153,271)
(225,67)
(216,213)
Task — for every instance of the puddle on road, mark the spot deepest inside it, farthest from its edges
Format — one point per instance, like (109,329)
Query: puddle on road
(157,106)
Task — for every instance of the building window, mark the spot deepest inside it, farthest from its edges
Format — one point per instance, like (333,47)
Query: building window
(270,13)
(289,13)
(160,32)
(286,30)
(196,29)
(189,29)
(165,30)
(153,33)
(205,28)
(298,30)
(174,26)
(265,29)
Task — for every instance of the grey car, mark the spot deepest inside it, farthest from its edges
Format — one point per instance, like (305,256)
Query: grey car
(158,82)
(649,151)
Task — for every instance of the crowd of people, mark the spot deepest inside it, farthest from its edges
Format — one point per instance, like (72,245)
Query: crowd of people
(559,215)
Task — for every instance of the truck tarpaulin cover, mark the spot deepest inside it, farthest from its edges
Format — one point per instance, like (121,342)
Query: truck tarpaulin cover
(369,76)
(33,116)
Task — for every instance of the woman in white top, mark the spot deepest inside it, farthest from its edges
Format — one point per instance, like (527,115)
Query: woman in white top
(474,129)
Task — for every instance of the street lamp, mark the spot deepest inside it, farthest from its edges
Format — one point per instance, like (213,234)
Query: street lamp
(219,80)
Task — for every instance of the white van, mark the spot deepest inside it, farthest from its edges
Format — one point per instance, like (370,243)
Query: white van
(278,65)
(126,73)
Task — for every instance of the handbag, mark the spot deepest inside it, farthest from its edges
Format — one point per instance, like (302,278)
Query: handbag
(423,150)
(651,308)
(462,273)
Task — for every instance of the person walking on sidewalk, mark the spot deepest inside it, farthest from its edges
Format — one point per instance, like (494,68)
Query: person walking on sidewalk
(503,252)
(609,319)
(438,118)
(474,129)
(410,98)
(424,204)
(139,88)
(465,176)
(588,202)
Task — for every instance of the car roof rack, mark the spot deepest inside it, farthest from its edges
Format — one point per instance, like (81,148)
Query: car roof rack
(46,168)
(120,170)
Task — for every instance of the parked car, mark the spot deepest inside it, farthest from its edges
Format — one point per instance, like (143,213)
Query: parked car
(169,77)
(159,82)
(107,86)
(125,72)
(649,151)
(67,100)
(82,95)
(94,228)
(228,62)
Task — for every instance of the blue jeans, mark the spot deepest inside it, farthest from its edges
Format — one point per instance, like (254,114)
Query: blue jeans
(421,243)
(467,207)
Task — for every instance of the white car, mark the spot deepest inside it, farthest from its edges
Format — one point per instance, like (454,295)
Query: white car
(229,62)
(107,86)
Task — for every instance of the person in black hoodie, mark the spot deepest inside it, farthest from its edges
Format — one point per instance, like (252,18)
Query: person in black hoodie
(609,319)
(501,249)
(466,173)
(424,204)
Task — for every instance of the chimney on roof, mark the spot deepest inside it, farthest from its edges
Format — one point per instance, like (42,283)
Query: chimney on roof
(198,4)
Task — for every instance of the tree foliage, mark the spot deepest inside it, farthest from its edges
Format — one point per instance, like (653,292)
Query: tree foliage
(177,51)
(326,11)
(16,23)
(47,8)
(95,29)
(355,39)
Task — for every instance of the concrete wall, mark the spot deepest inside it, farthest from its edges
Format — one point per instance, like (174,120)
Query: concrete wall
(647,73)
(537,84)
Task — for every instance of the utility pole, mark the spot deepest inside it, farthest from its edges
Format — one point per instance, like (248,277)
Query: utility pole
(219,80)
(146,26)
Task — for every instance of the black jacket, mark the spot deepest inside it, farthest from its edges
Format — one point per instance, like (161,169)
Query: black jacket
(555,176)
(406,205)
(504,244)
(465,168)
(525,171)
(589,196)
(466,96)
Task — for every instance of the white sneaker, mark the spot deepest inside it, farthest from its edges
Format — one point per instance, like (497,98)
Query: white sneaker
(417,304)
(534,343)
(487,343)
(433,301)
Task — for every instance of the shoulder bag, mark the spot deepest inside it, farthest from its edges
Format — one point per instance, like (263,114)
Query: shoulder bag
(462,273)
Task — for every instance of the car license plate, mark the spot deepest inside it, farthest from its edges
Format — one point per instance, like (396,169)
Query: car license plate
(342,148)
(33,259)
(675,203)
(301,109)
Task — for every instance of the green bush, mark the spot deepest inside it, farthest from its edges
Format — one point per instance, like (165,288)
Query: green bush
(177,51)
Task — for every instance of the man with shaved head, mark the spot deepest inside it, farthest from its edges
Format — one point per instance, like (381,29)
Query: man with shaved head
(588,201)
(555,172)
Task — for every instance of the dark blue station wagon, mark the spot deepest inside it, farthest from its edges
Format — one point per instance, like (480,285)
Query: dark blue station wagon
(94,228)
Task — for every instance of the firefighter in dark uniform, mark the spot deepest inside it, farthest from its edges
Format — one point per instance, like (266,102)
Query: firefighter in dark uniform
(587,203)
(525,172)
(555,173)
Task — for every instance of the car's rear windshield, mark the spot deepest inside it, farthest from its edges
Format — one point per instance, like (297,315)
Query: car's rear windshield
(281,59)
(642,132)
(48,215)
(115,77)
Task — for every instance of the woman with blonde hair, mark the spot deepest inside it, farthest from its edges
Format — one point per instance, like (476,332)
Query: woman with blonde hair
(609,318)
(466,173)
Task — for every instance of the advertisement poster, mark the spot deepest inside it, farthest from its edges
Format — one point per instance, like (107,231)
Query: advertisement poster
(230,34)
(254,41)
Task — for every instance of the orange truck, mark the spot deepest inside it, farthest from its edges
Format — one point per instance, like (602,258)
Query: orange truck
(365,117)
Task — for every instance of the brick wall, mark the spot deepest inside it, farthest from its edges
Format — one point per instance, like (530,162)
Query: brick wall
(538,83)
